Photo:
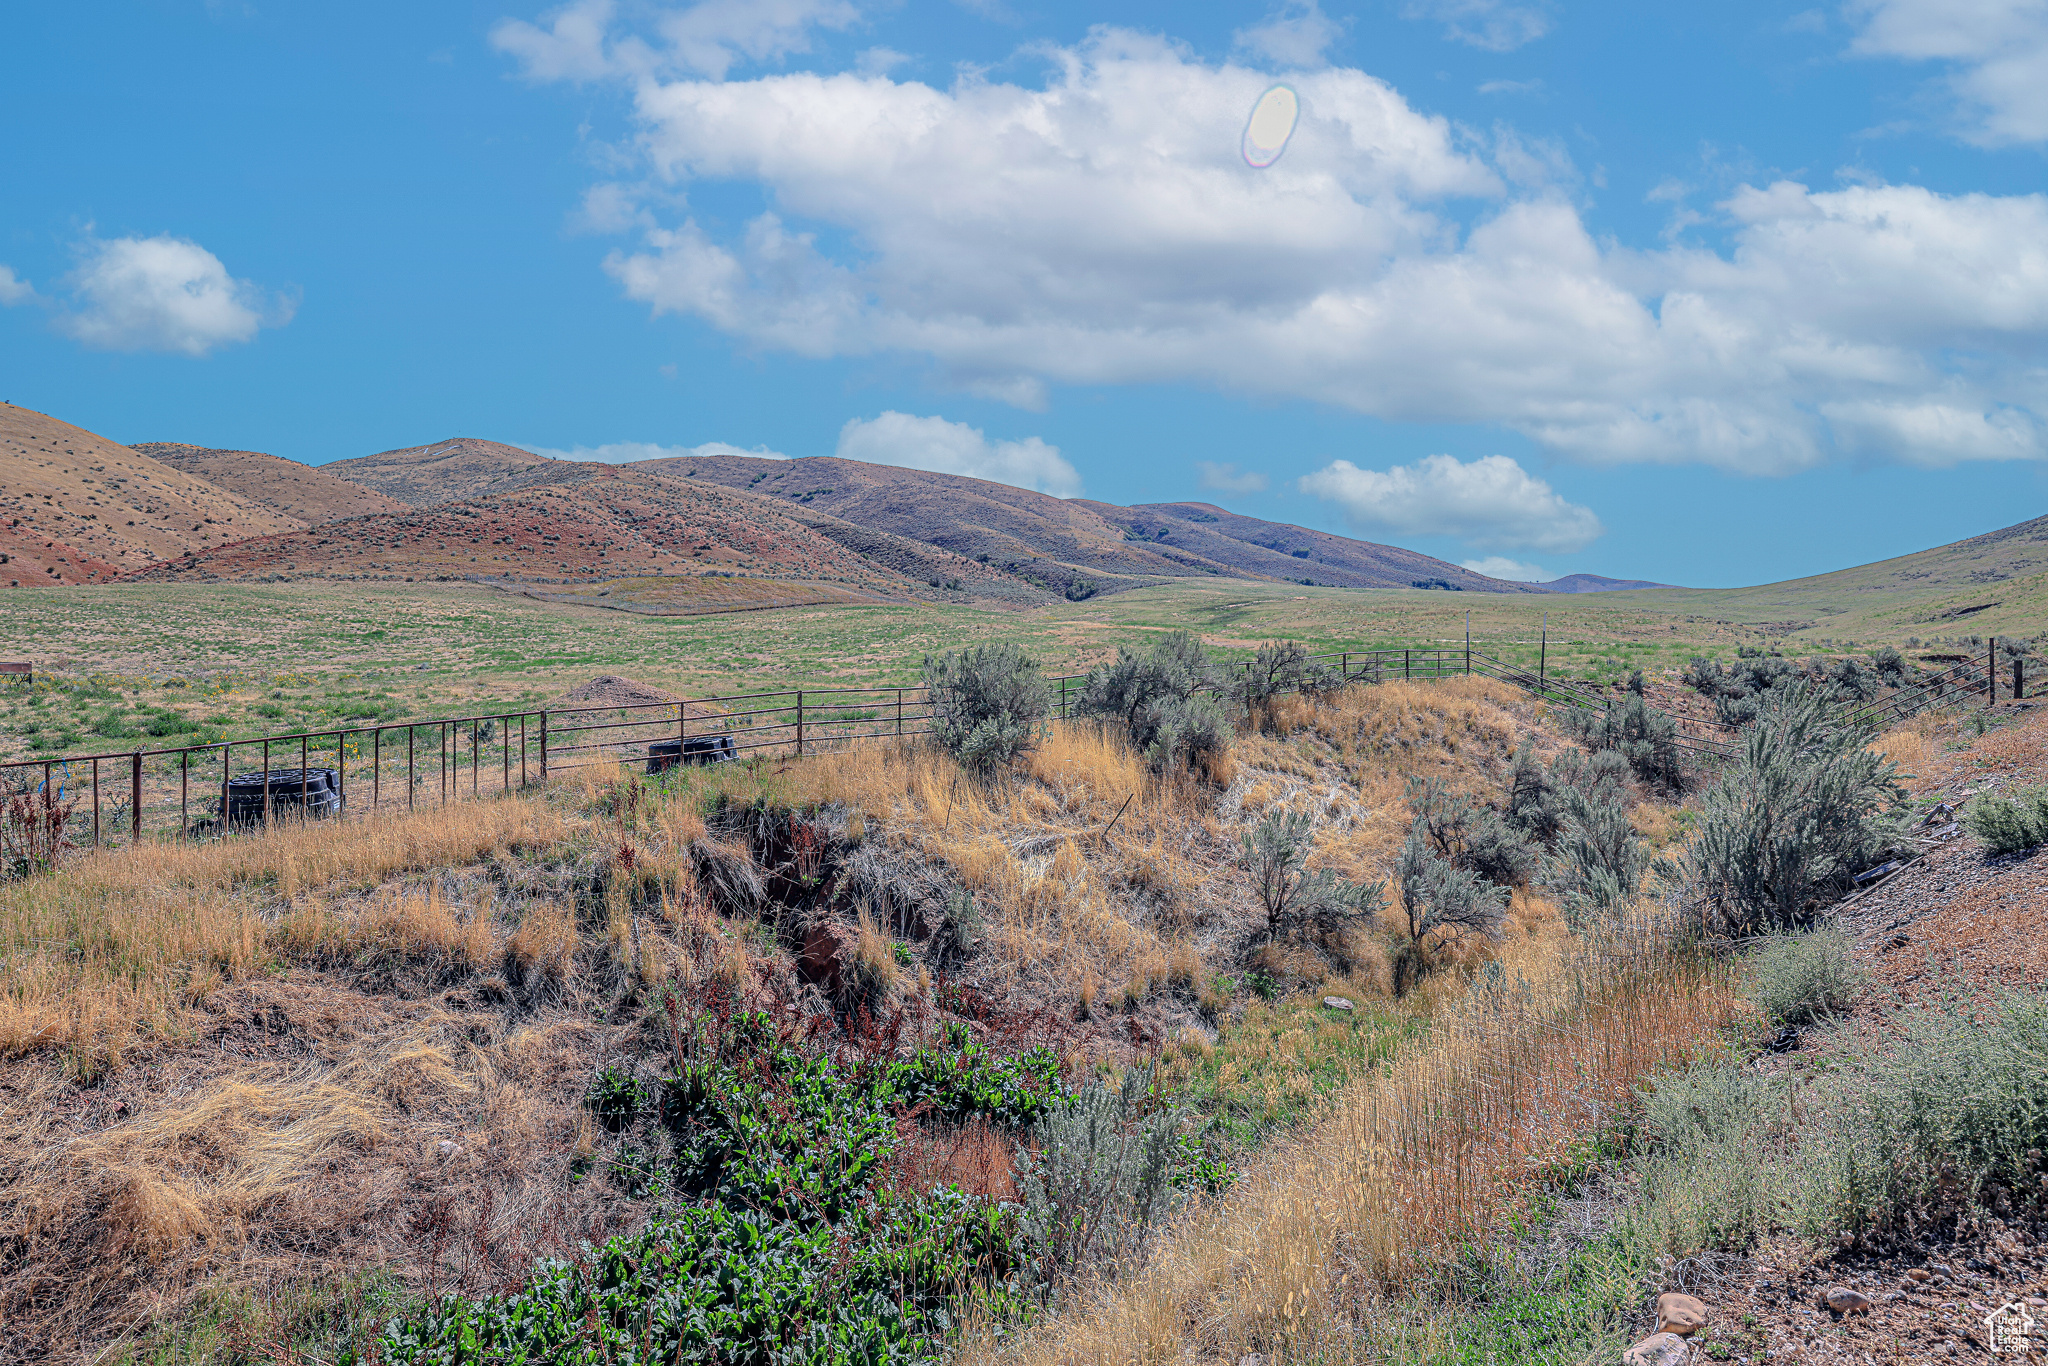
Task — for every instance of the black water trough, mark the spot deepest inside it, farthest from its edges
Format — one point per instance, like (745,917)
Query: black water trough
(664,755)
(293,792)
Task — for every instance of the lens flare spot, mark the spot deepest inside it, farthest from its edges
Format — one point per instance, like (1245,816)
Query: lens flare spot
(1271,124)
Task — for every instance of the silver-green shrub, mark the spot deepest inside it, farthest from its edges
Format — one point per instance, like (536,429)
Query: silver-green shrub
(1802,810)
(2006,825)
(987,704)
(1800,979)
(1100,1176)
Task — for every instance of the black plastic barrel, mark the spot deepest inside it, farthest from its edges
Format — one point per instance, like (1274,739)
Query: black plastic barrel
(293,792)
(663,755)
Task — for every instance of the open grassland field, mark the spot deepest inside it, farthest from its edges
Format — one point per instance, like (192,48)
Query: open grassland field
(191,663)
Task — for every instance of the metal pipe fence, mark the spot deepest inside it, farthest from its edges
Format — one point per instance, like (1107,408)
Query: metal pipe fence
(123,796)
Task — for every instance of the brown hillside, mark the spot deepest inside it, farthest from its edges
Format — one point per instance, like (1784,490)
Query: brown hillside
(451,471)
(970,517)
(75,507)
(304,492)
(604,524)
(1283,551)
(1047,542)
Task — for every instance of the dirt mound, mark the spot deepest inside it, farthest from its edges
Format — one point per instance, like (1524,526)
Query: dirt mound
(610,690)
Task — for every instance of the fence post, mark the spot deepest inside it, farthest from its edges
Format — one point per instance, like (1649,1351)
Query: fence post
(2019,679)
(799,723)
(899,709)
(184,792)
(305,778)
(543,747)
(1404,666)
(266,785)
(1991,672)
(226,764)
(411,779)
(376,766)
(95,803)
(135,797)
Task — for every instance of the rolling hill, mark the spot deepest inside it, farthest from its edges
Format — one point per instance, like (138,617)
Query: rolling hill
(1050,545)
(450,471)
(1596,583)
(604,522)
(1279,550)
(305,492)
(1991,584)
(76,508)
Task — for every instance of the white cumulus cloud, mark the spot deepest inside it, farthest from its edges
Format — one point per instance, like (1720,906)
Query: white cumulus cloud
(578,42)
(1101,227)
(933,443)
(1996,52)
(163,294)
(1491,503)
(1294,35)
(1501,567)
(14,289)
(626,452)
(1226,478)
(1494,25)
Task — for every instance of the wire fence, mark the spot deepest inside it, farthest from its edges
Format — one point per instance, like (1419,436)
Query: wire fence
(120,797)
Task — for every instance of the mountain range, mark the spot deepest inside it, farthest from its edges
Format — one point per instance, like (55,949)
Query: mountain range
(81,508)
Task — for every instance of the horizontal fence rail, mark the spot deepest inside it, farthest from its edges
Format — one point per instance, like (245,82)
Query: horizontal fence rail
(124,796)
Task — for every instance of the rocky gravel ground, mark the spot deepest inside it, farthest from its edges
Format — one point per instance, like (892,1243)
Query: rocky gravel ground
(1952,922)
(1928,1302)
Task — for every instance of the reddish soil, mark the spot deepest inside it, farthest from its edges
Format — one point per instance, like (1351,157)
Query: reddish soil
(298,491)
(608,524)
(1954,921)
(76,508)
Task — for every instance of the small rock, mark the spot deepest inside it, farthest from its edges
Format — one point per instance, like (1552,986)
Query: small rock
(1919,1273)
(1843,1300)
(448,1148)
(1659,1349)
(1338,1003)
(2036,1302)
(1680,1314)
(1893,1297)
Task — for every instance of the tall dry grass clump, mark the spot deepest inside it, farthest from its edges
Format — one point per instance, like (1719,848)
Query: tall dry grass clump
(107,949)
(1413,1162)
(1035,847)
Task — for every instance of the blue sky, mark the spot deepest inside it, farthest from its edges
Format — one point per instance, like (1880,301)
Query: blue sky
(1706,294)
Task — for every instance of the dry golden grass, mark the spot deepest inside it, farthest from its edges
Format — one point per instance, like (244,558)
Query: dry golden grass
(1035,848)
(1346,760)
(113,947)
(281,1167)
(1910,748)
(1414,1160)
